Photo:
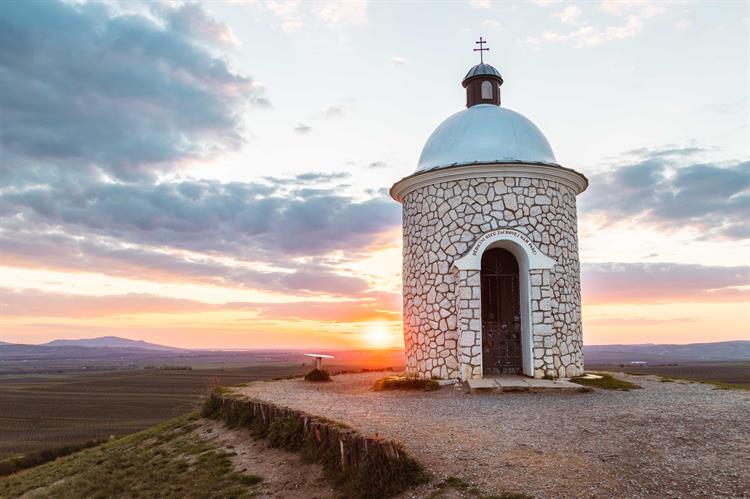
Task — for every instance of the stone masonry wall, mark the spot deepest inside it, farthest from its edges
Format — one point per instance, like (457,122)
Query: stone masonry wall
(441,222)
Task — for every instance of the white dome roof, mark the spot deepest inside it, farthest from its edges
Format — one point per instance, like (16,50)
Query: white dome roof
(485,133)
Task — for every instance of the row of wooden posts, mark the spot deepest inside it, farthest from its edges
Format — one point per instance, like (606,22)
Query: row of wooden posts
(336,446)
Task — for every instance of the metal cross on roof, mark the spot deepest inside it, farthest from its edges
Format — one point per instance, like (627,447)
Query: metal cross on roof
(481,49)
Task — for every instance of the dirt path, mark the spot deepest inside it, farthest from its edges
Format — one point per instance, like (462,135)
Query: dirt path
(285,475)
(668,439)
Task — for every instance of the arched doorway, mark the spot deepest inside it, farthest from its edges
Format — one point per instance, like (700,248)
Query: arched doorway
(501,313)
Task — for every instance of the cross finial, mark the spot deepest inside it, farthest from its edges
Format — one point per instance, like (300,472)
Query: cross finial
(481,49)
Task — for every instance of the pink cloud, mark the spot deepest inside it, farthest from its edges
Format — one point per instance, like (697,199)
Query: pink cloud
(650,283)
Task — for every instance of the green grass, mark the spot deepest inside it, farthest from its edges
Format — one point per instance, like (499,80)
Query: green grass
(405,383)
(606,382)
(164,461)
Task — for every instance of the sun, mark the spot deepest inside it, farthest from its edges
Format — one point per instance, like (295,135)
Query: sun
(377,335)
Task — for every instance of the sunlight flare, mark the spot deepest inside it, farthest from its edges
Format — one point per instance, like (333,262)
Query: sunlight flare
(378,335)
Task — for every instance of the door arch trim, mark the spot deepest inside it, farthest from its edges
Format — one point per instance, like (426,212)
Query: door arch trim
(529,258)
(535,259)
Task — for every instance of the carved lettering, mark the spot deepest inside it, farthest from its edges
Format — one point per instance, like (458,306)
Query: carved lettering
(504,232)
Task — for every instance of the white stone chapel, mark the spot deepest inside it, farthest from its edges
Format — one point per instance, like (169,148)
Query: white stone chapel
(491,278)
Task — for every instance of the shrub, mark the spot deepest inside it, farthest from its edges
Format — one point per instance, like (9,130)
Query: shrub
(286,434)
(375,479)
(212,405)
(250,480)
(405,383)
(318,375)
(14,464)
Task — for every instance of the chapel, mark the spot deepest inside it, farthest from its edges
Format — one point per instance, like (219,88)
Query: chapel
(491,276)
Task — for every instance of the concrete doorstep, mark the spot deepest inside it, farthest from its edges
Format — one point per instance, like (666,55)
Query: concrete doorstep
(507,384)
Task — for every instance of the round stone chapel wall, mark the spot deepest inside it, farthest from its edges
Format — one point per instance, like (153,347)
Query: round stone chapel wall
(441,222)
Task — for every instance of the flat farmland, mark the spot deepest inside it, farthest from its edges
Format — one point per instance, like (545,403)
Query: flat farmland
(41,411)
(722,374)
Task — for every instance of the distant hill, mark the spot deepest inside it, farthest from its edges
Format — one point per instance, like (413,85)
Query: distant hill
(720,351)
(109,342)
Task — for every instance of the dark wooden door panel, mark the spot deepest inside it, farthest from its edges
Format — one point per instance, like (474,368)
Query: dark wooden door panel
(501,313)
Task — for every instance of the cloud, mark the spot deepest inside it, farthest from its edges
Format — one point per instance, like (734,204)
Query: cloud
(333,111)
(106,104)
(37,304)
(378,164)
(123,96)
(643,8)
(308,178)
(491,24)
(194,22)
(637,321)
(248,235)
(288,11)
(251,218)
(340,311)
(334,15)
(344,13)
(590,36)
(105,256)
(654,283)
(302,129)
(480,4)
(670,190)
(397,61)
(569,15)
(631,21)
(669,151)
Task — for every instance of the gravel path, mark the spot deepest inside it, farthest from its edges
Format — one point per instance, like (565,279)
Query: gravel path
(667,440)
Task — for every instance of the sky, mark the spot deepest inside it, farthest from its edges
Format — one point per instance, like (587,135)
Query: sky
(215,175)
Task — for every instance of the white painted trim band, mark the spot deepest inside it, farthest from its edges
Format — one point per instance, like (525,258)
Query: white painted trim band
(566,176)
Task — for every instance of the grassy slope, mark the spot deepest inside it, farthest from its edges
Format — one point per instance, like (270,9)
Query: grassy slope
(163,461)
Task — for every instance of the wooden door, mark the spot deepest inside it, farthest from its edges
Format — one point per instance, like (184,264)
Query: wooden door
(501,313)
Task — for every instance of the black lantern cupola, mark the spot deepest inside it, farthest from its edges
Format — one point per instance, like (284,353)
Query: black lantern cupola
(482,82)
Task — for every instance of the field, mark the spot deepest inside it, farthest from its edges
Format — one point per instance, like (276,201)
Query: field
(47,410)
(721,374)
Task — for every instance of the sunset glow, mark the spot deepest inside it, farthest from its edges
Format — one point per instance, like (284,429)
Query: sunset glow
(229,190)
(378,336)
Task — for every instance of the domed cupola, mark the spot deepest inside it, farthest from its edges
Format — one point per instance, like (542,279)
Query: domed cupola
(482,82)
(484,132)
